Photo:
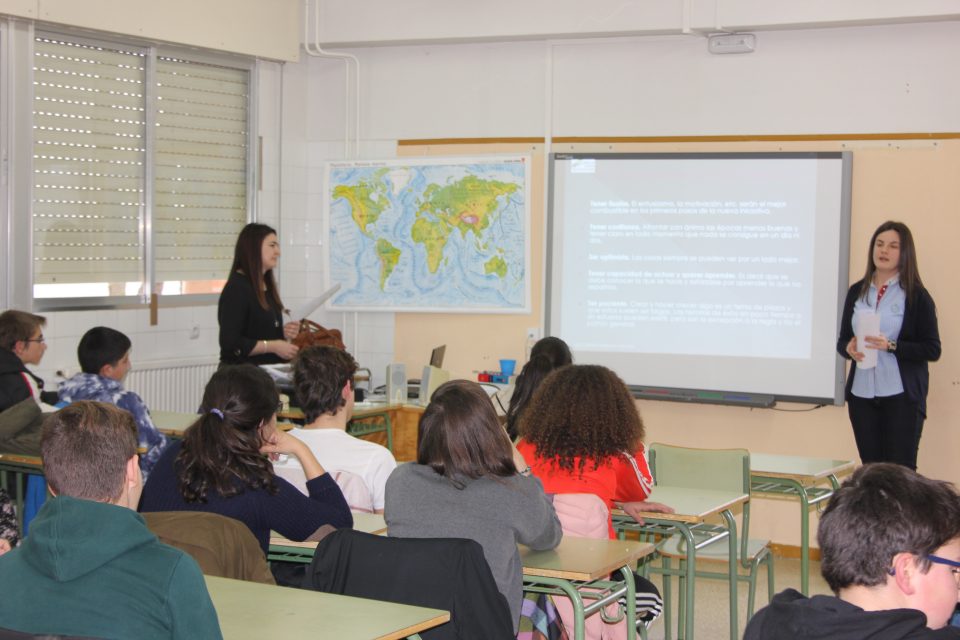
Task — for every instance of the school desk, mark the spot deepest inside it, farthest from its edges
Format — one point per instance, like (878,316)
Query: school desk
(250,610)
(580,569)
(292,551)
(695,510)
(392,425)
(575,563)
(174,423)
(801,477)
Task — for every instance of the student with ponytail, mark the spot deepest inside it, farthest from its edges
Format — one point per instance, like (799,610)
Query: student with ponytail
(223,464)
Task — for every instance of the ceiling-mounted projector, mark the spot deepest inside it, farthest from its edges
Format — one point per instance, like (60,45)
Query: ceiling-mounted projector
(732,43)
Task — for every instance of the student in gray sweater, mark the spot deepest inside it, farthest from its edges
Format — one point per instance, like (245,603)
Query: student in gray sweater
(465,484)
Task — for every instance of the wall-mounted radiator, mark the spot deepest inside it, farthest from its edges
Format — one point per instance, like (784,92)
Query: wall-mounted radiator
(171,387)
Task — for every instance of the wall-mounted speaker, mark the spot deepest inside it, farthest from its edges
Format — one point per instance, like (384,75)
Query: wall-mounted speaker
(396,383)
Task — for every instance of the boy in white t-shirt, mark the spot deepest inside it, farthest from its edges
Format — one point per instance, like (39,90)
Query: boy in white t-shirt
(323,381)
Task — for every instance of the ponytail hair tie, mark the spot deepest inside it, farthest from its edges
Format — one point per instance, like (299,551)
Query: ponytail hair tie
(217,413)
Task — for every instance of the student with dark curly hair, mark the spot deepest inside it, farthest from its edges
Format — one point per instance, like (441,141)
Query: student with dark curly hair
(323,380)
(222,464)
(581,433)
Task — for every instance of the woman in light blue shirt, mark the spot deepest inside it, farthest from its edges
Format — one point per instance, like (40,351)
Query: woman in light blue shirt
(887,403)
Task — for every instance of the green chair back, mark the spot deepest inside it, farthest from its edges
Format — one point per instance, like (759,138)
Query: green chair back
(718,469)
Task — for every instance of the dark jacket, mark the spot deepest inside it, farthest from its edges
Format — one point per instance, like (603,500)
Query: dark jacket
(917,344)
(440,573)
(20,428)
(243,322)
(792,616)
(288,512)
(13,387)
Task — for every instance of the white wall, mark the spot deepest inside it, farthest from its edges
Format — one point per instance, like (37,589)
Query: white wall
(250,27)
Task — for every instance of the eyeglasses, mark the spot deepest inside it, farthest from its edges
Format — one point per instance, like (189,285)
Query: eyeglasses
(953,564)
(40,339)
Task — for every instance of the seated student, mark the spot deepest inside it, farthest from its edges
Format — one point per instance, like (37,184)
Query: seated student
(323,379)
(22,343)
(581,433)
(104,356)
(557,354)
(465,484)
(890,551)
(90,567)
(222,464)
(548,354)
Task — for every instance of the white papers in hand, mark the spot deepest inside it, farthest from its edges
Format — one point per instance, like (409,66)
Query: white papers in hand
(867,324)
(310,306)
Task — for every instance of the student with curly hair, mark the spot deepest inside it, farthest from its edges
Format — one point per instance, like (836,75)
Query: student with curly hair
(323,380)
(222,465)
(581,433)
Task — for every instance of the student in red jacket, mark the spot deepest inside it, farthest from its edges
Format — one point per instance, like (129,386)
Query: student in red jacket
(581,433)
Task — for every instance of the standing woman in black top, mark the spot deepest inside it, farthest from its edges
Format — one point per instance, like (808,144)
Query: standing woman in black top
(888,403)
(250,311)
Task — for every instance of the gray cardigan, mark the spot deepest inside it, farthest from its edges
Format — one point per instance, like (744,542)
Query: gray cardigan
(498,513)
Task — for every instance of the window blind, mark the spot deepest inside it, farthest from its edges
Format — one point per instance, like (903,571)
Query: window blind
(92,218)
(88,165)
(200,170)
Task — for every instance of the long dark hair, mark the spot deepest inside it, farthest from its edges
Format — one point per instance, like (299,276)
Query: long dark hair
(248,260)
(460,437)
(221,450)
(907,267)
(581,414)
(547,354)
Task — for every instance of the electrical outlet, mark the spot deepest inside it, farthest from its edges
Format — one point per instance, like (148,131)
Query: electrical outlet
(533,334)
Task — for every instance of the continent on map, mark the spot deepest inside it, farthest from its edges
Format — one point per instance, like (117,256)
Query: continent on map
(389,256)
(496,265)
(367,198)
(432,234)
(466,204)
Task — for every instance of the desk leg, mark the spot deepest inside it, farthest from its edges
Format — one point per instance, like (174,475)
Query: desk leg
(804,540)
(631,605)
(689,584)
(733,568)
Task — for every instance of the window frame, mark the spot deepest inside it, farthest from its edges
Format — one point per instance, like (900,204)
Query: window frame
(17,40)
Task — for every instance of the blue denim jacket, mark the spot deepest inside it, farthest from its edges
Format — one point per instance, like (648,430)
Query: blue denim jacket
(90,386)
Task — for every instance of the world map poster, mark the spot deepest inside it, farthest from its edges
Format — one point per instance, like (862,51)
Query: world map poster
(430,234)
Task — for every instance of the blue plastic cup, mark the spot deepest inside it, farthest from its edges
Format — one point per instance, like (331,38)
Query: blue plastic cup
(507,367)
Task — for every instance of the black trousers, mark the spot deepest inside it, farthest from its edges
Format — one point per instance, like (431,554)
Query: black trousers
(886,429)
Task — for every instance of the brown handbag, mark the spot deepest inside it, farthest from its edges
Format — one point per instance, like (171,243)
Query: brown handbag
(312,334)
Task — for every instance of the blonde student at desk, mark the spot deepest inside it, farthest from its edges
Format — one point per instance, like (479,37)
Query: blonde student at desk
(582,433)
